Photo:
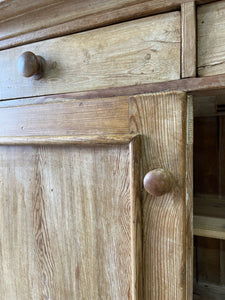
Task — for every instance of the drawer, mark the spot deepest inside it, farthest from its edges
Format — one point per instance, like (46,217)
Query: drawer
(211,39)
(132,53)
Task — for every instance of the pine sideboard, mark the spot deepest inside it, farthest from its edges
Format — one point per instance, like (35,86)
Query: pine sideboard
(112,150)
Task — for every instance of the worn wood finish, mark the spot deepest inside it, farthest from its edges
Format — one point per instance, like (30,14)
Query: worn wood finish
(85,61)
(12,8)
(188,39)
(32,24)
(73,117)
(46,21)
(189,198)
(161,121)
(136,219)
(211,39)
(198,87)
(61,238)
(211,85)
(100,139)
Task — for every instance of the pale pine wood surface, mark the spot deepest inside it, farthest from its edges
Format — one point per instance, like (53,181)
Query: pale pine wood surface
(26,21)
(199,86)
(66,223)
(118,55)
(188,18)
(71,117)
(161,121)
(211,39)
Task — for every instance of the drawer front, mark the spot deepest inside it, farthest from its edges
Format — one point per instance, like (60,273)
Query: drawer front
(211,39)
(131,53)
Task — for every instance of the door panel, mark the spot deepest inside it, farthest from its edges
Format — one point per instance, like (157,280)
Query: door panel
(67,215)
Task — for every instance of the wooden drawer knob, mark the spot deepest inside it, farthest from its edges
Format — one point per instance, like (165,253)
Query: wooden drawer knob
(157,182)
(30,65)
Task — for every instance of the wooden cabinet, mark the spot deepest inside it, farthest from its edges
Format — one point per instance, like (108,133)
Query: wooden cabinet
(76,221)
(71,220)
(115,102)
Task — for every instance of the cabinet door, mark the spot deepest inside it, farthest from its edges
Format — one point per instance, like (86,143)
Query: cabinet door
(164,122)
(75,220)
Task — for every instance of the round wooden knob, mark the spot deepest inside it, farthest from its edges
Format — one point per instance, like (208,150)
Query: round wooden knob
(157,182)
(31,65)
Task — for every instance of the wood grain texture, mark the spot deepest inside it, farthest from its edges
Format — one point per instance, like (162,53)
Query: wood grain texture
(188,17)
(101,139)
(29,22)
(161,121)
(136,219)
(72,117)
(12,8)
(37,21)
(67,218)
(211,39)
(85,61)
(201,86)
(189,199)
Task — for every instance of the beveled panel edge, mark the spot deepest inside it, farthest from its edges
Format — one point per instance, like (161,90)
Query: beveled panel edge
(82,140)
(136,218)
